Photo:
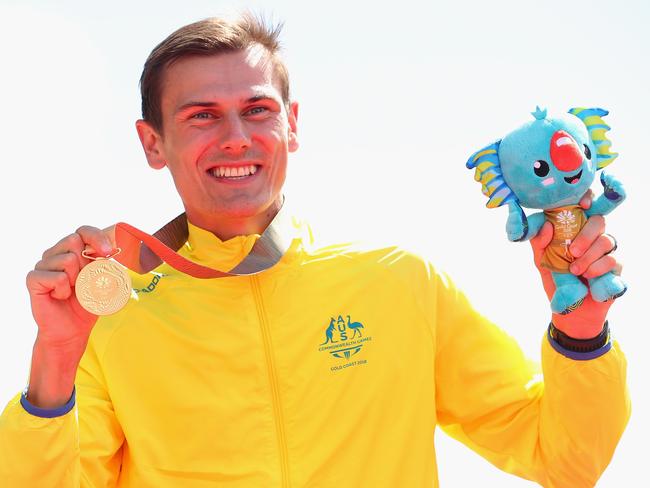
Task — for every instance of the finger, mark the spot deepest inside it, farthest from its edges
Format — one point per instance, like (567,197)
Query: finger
(96,239)
(53,283)
(72,243)
(602,246)
(594,227)
(541,240)
(67,263)
(84,237)
(587,198)
(614,243)
(601,266)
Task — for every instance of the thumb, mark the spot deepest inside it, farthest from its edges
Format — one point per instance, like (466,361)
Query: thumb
(541,240)
(110,233)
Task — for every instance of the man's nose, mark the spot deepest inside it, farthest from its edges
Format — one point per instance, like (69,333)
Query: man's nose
(235,135)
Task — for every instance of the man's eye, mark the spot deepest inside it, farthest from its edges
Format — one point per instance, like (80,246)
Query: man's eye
(202,115)
(257,110)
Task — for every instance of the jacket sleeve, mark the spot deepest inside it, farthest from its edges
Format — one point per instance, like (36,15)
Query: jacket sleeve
(559,429)
(82,448)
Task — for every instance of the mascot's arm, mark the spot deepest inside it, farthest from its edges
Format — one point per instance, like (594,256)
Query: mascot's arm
(613,196)
(520,227)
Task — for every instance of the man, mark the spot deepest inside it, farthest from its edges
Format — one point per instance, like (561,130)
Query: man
(331,368)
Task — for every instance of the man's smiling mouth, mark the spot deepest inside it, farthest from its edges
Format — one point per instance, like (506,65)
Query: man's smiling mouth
(572,180)
(227,172)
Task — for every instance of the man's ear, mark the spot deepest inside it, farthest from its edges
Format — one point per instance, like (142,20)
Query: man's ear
(151,143)
(293,127)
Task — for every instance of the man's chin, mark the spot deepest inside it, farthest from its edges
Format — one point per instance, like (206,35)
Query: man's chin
(247,209)
(238,213)
(258,212)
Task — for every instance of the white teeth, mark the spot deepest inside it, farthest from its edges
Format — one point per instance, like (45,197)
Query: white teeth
(228,172)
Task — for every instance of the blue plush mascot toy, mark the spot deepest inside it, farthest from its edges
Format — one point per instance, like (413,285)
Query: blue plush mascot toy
(549,164)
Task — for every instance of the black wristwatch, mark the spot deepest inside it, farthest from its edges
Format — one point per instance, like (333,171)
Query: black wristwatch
(579,345)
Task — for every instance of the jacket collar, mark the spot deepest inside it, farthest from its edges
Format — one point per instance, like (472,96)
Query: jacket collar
(205,248)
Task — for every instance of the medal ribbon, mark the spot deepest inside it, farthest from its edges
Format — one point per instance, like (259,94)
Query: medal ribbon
(142,252)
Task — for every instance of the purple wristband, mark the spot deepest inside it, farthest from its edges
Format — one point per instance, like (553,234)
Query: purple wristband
(580,349)
(47,413)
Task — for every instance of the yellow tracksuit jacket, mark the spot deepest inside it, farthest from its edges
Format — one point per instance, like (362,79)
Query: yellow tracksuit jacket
(331,369)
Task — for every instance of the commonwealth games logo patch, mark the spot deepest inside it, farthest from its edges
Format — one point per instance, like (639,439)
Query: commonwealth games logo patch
(344,339)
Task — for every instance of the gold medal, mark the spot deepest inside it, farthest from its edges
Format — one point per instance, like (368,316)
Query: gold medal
(103,286)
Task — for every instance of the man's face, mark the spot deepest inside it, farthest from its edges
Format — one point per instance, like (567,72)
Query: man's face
(226,135)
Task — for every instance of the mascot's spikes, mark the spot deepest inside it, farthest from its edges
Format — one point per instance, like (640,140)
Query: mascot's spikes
(592,118)
(539,114)
(488,173)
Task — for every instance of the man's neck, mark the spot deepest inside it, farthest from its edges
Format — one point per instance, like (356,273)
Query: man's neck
(229,227)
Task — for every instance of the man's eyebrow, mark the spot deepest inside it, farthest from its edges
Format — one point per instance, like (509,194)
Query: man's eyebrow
(189,105)
(194,104)
(259,97)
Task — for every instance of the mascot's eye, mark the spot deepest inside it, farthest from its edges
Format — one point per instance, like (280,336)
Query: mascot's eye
(541,167)
(588,152)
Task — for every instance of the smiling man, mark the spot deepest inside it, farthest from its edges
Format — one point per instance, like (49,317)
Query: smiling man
(332,368)
(224,128)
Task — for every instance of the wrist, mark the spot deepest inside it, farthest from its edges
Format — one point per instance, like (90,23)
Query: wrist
(578,345)
(47,412)
(67,347)
(578,327)
(52,375)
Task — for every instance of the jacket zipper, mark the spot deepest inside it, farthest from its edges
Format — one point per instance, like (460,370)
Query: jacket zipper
(273,380)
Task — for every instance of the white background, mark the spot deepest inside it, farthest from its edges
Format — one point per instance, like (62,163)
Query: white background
(394,97)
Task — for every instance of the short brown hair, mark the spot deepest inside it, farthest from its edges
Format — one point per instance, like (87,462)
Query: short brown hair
(206,38)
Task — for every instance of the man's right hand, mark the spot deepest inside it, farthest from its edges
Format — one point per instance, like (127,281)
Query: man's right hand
(63,325)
